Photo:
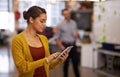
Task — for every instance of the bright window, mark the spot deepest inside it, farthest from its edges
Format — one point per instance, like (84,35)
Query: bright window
(53,11)
(6,15)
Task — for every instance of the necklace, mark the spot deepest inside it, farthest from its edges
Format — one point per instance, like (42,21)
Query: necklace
(34,36)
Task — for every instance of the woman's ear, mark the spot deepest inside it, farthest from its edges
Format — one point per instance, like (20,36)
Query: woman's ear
(31,20)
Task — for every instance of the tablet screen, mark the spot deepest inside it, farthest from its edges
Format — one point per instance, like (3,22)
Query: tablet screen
(65,50)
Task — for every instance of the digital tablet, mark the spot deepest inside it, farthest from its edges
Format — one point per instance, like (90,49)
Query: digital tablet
(64,51)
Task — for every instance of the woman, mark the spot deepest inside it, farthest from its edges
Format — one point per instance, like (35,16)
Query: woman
(30,50)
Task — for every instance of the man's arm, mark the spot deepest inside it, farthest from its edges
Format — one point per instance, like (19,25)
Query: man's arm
(57,34)
(59,43)
(76,35)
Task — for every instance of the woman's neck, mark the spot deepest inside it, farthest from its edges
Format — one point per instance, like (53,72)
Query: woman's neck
(30,31)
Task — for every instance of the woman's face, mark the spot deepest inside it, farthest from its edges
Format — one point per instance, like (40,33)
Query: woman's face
(39,23)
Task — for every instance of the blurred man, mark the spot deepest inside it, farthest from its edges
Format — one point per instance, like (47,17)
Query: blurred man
(66,37)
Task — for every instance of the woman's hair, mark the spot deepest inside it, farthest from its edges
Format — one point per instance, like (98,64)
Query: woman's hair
(33,12)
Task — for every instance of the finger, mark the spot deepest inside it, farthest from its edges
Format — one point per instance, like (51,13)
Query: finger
(65,54)
(62,58)
(57,53)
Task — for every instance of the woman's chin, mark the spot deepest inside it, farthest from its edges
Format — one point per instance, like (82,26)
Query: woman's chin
(39,32)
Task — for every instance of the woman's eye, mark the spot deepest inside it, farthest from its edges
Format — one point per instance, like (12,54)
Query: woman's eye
(41,21)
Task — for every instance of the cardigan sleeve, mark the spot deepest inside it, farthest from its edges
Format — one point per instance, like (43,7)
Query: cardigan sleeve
(21,63)
(55,63)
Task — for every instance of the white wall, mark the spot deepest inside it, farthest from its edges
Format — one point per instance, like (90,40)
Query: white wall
(107,21)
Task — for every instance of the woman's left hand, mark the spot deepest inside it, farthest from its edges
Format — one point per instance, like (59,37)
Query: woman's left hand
(64,56)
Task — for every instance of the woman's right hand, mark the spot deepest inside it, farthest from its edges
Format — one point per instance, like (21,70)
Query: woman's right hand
(53,56)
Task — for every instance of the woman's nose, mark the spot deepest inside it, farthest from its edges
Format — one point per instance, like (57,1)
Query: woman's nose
(44,24)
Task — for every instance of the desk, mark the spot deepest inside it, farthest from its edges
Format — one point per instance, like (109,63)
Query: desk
(87,55)
(110,57)
(108,52)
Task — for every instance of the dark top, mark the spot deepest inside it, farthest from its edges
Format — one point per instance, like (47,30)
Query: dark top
(38,53)
(48,32)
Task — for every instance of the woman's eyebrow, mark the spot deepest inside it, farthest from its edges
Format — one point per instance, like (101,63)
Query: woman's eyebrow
(43,19)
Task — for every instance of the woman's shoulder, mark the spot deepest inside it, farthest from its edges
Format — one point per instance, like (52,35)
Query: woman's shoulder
(18,36)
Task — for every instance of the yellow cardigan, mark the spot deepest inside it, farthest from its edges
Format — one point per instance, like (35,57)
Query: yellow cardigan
(23,59)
